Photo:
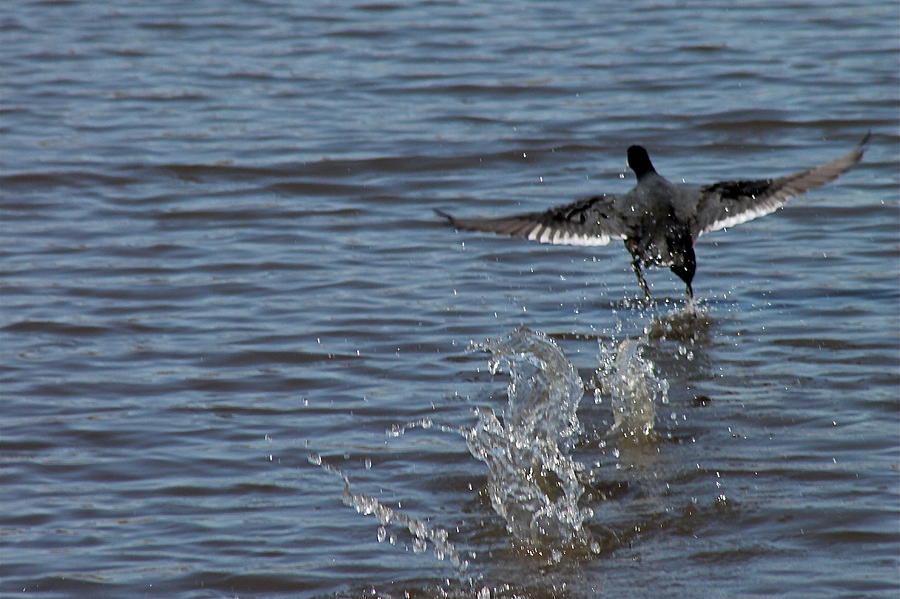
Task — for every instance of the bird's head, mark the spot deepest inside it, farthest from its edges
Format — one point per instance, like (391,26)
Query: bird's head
(639,161)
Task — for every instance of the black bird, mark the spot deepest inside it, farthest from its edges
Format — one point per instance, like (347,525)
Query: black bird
(660,220)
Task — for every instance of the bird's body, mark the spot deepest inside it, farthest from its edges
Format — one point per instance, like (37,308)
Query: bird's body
(658,220)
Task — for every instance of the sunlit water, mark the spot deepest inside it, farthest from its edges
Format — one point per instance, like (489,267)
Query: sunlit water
(234,338)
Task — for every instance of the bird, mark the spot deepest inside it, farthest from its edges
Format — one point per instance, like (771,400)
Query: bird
(659,220)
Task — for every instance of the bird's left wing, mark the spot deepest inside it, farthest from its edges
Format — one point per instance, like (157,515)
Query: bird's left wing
(590,221)
(730,203)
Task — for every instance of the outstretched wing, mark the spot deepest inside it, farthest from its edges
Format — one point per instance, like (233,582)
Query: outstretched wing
(730,203)
(591,221)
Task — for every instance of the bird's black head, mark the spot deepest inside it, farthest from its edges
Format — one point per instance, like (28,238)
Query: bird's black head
(639,161)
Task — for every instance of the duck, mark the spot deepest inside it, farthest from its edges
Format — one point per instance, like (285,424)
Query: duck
(659,220)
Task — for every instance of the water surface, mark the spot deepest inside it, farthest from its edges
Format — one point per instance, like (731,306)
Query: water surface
(219,256)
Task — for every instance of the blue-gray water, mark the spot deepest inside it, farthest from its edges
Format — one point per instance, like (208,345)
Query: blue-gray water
(219,255)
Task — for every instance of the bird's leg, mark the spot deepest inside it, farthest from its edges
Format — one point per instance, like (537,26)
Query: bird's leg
(687,266)
(633,247)
(636,265)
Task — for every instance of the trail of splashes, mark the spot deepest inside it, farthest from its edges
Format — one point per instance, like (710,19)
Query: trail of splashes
(421,532)
(532,483)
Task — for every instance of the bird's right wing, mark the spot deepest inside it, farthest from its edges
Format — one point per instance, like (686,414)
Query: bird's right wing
(590,221)
(730,203)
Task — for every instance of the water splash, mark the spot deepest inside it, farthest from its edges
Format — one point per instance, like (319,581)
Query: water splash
(532,481)
(689,323)
(633,388)
(544,388)
(534,484)
(422,533)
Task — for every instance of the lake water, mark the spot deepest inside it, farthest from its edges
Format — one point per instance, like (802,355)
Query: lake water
(224,289)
